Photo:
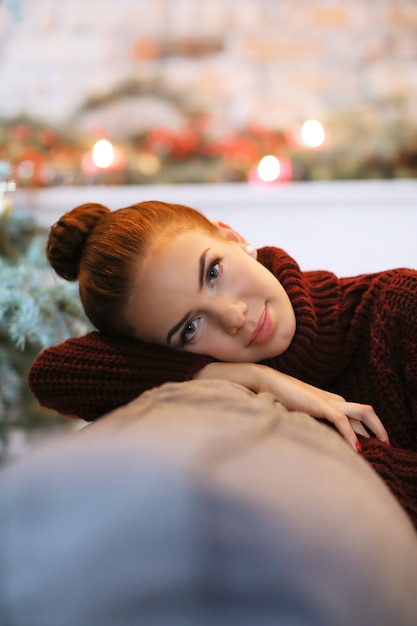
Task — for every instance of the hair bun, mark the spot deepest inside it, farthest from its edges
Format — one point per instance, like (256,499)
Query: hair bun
(67,238)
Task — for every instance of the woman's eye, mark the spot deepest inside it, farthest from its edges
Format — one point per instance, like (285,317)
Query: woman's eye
(188,332)
(213,272)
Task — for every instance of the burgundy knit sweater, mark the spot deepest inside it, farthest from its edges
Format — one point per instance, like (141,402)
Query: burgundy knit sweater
(355,336)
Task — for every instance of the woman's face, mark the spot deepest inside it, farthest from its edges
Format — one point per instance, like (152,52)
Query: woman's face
(204,294)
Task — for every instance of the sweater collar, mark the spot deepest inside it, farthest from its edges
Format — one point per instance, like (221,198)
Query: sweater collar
(313,352)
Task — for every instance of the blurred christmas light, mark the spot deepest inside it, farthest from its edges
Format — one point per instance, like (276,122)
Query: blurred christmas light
(103,153)
(269,168)
(103,156)
(312,133)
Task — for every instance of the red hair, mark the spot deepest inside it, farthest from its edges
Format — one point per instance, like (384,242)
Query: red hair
(102,249)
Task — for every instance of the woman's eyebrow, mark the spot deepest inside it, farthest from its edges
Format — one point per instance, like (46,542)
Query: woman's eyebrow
(176,328)
(202,268)
(201,274)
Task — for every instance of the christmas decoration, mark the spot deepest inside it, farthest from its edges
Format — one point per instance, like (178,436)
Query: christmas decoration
(37,309)
(376,142)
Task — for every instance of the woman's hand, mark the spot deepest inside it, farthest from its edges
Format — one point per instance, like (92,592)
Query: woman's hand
(296,395)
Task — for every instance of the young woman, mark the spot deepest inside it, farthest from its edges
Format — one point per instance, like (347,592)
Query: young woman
(176,297)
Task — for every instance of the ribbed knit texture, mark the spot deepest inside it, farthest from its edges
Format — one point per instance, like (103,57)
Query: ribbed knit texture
(398,469)
(355,336)
(89,376)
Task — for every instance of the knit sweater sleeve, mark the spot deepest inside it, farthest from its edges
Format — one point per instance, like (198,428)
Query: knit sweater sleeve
(89,376)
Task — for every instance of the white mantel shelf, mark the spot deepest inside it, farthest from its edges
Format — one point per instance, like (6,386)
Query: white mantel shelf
(347,227)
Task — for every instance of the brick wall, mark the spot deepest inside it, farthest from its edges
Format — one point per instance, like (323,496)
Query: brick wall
(266,61)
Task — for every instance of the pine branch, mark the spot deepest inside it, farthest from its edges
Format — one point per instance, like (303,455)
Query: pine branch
(37,309)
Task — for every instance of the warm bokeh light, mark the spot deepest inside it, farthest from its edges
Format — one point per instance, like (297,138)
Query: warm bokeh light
(103,153)
(103,156)
(269,168)
(312,133)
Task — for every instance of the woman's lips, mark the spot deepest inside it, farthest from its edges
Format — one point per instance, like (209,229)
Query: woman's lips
(263,328)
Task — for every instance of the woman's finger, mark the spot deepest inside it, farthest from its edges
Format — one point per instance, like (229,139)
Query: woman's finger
(321,409)
(366,414)
(358,427)
(343,425)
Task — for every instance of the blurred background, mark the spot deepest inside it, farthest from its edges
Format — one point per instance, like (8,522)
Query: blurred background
(300,117)
(190,91)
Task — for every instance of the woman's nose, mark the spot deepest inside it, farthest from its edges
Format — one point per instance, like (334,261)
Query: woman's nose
(232,315)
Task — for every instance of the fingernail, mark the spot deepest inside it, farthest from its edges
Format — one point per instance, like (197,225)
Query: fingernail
(385,442)
(358,446)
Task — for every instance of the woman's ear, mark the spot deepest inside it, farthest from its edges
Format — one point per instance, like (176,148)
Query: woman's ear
(228,232)
(232,235)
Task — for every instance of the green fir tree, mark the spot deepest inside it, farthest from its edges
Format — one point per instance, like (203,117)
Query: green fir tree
(37,309)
